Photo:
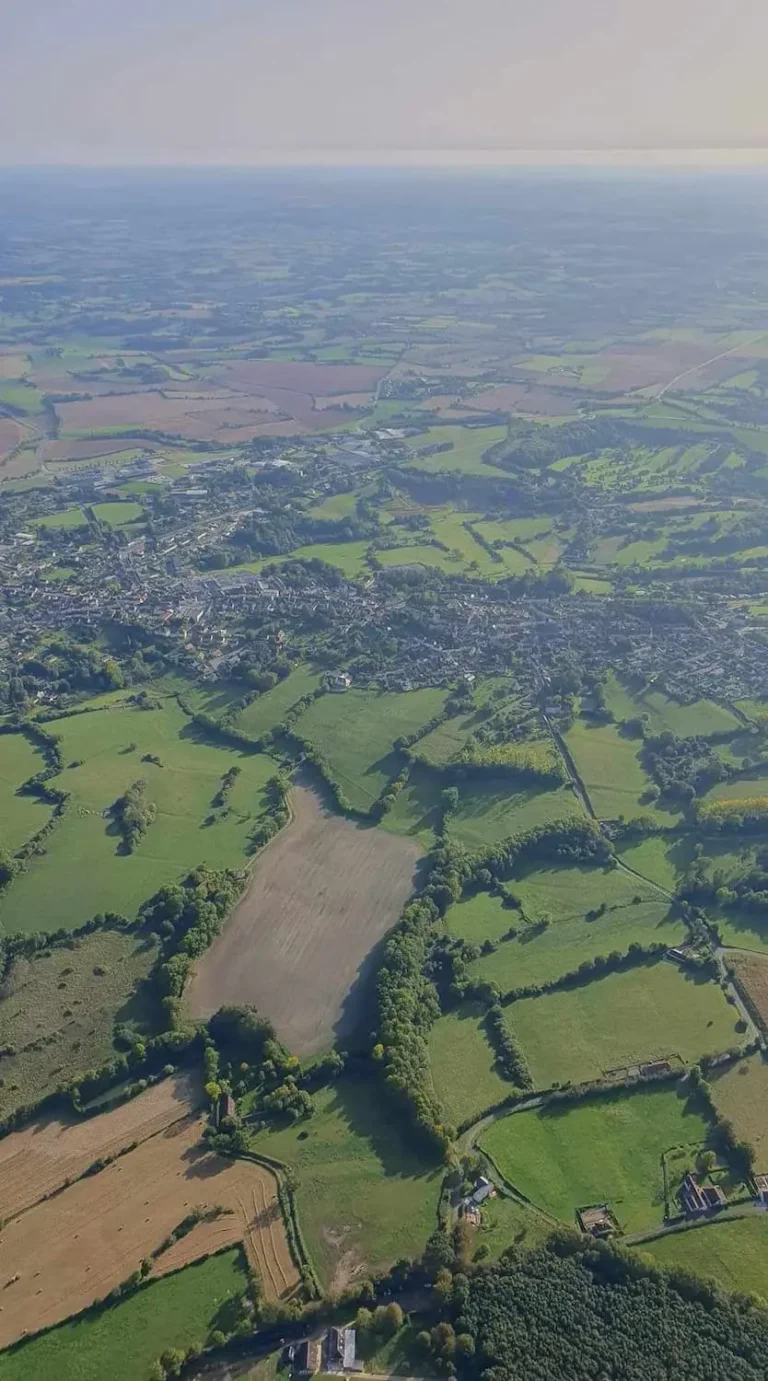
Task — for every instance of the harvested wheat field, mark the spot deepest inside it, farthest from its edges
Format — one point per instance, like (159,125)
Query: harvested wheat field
(74,1248)
(751,972)
(44,1155)
(323,892)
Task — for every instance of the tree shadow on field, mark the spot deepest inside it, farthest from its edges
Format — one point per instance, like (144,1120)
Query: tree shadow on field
(363,1106)
(353,1028)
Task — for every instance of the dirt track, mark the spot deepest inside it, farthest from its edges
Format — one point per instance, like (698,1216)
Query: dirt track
(77,1246)
(322,894)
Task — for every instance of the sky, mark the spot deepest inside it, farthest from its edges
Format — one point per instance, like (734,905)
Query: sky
(353,81)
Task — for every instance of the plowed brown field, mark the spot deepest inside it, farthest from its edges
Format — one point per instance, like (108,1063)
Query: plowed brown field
(64,1253)
(323,893)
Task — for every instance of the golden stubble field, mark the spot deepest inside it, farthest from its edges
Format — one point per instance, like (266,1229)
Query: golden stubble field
(59,1254)
(323,893)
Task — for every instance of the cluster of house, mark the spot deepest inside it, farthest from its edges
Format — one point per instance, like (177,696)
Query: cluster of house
(333,1352)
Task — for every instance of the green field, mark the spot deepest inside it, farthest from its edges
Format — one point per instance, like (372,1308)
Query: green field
(67,517)
(118,514)
(640,1014)
(364,1197)
(467,447)
(443,744)
(269,709)
(494,809)
(356,731)
(610,769)
(537,956)
(122,1342)
(464,1066)
(702,717)
(598,1151)
(658,860)
(741,1096)
(20,816)
(732,1251)
(506,1223)
(59,1008)
(82,870)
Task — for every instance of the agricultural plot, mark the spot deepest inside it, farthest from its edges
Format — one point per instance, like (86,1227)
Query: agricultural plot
(57,1011)
(495,809)
(702,717)
(658,860)
(348,557)
(507,1222)
(77,1246)
(356,732)
(20,816)
(269,709)
(43,1155)
(122,1342)
(443,744)
(83,870)
(732,1251)
(468,446)
(463,1062)
(641,1014)
(751,973)
(299,943)
(741,1096)
(538,956)
(613,776)
(364,1197)
(604,1151)
(66,517)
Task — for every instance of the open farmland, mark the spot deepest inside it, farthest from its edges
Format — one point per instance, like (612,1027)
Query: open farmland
(364,1196)
(82,870)
(40,1157)
(300,941)
(58,1010)
(122,1342)
(732,1251)
(77,1246)
(751,973)
(356,732)
(467,448)
(741,1096)
(607,1150)
(610,768)
(495,808)
(464,1070)
(267,711)
(641,1014)
(20,816)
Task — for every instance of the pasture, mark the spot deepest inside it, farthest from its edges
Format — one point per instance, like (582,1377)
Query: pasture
(495,808)
(58,1008)
(463,1062)
(269,709)
(122,1342)
(82,869)
(602,1150)
(467,447)
(610,768)
(20,816)
(78,1245)
(300,943)
(741,1096)
(732,1251)
(538,956)
(640,1014)
(356,732)
(701,717)
(364,1197)
(506,1223)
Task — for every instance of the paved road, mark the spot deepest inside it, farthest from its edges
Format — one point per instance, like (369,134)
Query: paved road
(696,367)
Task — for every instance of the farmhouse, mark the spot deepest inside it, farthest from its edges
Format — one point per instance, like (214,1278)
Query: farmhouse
(339,1348)
(341,681)
(483,1190)
(697,1198)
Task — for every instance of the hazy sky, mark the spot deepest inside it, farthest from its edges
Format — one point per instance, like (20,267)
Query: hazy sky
(249,81)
